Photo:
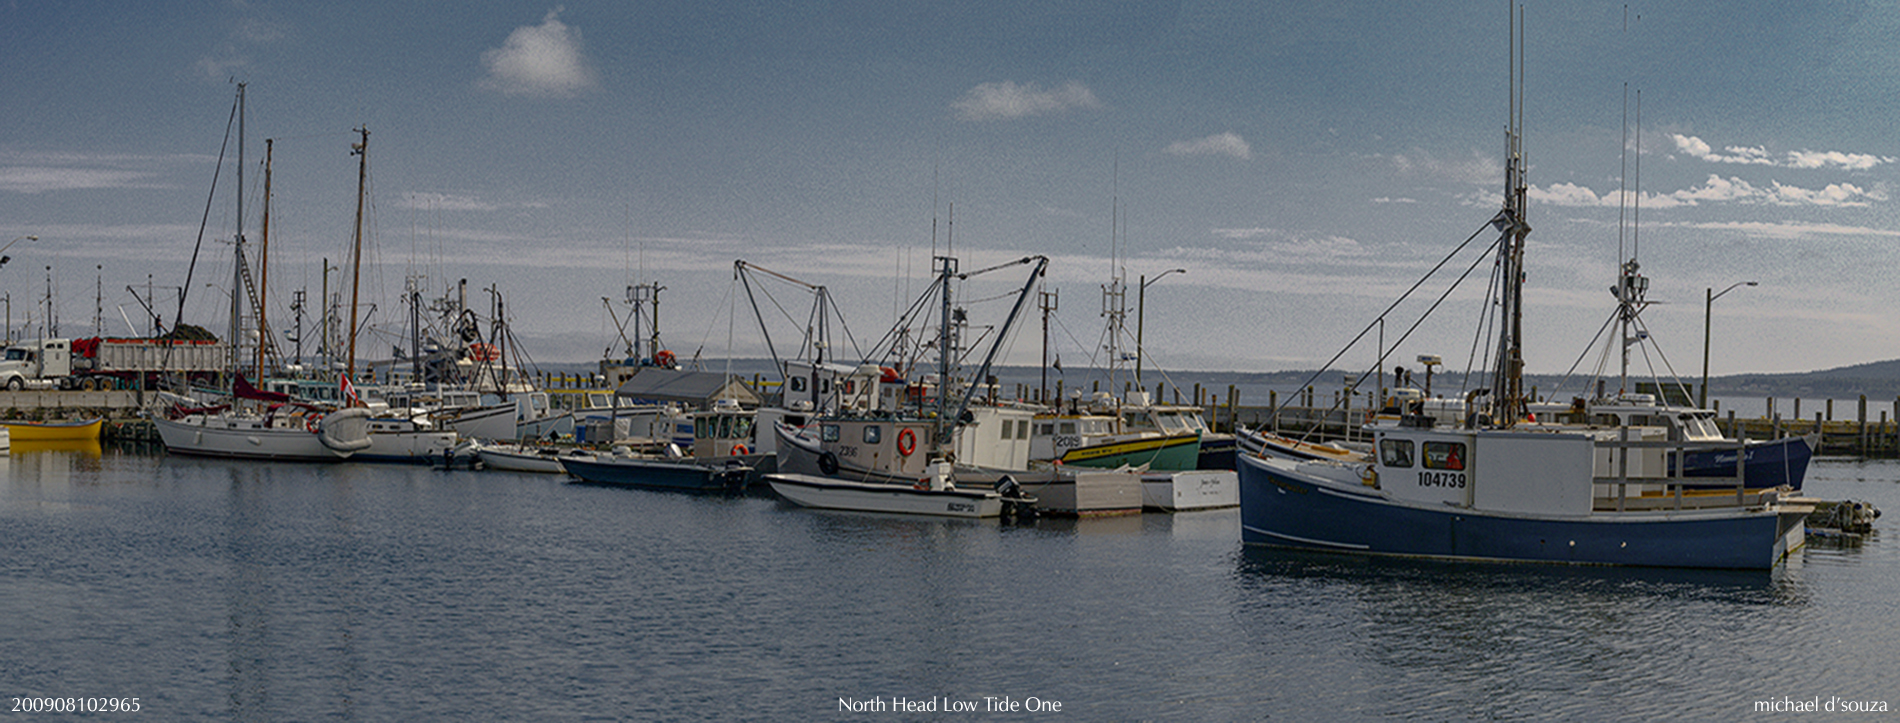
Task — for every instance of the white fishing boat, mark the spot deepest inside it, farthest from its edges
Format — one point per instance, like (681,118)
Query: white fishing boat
(901,463)
(1499,488)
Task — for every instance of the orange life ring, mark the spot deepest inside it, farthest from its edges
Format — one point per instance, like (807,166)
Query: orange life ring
(664,358)
(906,441)
(739,450)
(312,422)
(479,351)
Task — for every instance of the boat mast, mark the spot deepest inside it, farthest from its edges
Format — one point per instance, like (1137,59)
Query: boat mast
(1508,381)
(237,256)
(361,150)
(263,266)
(946,268)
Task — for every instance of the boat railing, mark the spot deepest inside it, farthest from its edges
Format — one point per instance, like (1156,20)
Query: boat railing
(1674,479)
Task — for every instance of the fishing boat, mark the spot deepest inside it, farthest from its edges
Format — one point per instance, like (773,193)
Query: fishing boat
(882,461)
(1498,488)
(1140,413)
(675,471)
(1259,442)
(77,429)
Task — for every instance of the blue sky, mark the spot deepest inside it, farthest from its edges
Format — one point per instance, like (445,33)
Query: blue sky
(1304,162)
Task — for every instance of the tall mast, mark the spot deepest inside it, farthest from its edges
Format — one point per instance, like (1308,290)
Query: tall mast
(263,266)
(945,350)
(1508,381)
(361,150)
(237,255)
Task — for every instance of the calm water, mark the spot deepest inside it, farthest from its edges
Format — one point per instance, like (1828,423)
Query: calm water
(229,591)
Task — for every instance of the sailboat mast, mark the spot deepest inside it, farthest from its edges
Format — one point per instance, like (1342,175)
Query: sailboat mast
(361,150)
(263,265)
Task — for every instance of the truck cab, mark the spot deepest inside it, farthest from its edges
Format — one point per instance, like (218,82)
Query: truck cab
(29,362)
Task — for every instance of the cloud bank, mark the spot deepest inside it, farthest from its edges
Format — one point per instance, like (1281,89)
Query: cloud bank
(1758,155)
(539,60)
(1007,100)
(1712,191)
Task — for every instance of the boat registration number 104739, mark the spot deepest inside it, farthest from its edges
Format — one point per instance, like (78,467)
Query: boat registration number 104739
(1453,480)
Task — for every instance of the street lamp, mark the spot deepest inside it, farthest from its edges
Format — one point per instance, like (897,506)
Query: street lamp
(3,249)
(1141,308)
(1707,314)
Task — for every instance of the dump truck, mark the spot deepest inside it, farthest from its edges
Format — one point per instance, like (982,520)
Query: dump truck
(105,363)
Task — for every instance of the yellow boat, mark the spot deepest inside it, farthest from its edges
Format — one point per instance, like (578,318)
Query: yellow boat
(84,429)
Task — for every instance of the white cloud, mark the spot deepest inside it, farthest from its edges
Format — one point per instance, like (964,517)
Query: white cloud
(1758,155)
(1006,100)
(539,60)
(39,179)
(1219,144)
(1714,190)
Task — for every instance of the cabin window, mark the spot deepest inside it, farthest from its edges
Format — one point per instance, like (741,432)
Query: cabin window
(742,428)
(873,433)
(824,386)
(1395,452)
(1445,455)
(1046,429)
(1068,427)
(850,387)
(828,432)
(702,428)
(798,384)
(1009,425)
(1022,429)
(725,428)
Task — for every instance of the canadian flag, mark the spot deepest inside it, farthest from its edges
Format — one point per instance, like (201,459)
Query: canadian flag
(349,391)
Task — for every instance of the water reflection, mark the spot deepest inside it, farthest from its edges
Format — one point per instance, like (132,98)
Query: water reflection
(1482,638)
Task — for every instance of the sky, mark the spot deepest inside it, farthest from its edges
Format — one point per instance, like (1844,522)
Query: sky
(1302,163)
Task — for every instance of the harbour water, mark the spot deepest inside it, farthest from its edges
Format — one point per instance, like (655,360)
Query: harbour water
(215,590)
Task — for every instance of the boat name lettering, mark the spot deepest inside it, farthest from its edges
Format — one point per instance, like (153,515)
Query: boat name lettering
(1064,441)
(1453,480)
(960,507)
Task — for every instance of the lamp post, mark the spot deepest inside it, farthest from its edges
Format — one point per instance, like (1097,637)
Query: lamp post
(3,249)
(1141,308)
(1708,314)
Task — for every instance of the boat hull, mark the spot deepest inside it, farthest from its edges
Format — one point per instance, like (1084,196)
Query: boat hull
(1283,508)
(515,458)
(408,447)
(1184,491)
(54,431)
(1218,452)
(1765,465)
(246,438)
(1179,452)
(836,494)
(685,475)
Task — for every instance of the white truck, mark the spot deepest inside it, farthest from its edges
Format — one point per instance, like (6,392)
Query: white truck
(100,363)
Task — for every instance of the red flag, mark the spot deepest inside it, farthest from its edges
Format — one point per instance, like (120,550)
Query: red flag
(349,391)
